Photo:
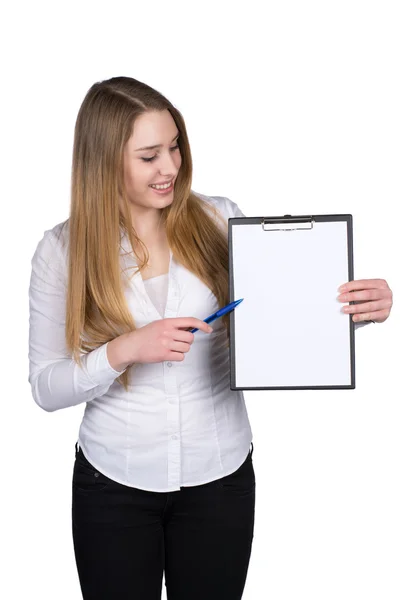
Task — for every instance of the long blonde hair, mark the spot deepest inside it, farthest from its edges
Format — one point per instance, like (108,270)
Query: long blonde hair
(96,306)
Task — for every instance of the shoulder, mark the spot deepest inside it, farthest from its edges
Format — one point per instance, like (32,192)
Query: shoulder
(224,205)
(52,248)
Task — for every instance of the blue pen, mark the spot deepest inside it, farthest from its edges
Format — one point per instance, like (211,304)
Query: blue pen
(220,313)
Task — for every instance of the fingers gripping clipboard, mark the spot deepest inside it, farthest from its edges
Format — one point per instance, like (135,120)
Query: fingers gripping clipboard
(289,332)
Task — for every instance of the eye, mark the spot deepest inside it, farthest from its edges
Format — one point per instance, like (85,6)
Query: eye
(153,157)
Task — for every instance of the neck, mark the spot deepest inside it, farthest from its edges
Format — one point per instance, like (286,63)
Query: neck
(148,227)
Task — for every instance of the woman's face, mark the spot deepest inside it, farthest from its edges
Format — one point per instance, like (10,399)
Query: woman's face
(151,129)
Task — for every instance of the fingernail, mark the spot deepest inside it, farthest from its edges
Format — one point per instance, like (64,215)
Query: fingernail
(210,329)
(342,288)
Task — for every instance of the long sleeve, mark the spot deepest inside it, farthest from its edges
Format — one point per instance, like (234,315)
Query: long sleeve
(56,380)
(236,212)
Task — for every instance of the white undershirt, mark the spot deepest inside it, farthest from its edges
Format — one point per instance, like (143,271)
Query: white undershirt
(157,289)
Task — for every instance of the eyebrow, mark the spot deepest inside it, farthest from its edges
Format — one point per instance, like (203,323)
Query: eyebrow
(156,146)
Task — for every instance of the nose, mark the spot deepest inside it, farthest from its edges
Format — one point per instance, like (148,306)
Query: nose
(167,166)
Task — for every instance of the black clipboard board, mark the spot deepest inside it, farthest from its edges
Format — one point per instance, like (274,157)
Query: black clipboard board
(248,273)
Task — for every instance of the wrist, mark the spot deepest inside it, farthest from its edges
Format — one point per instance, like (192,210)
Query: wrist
(119,352)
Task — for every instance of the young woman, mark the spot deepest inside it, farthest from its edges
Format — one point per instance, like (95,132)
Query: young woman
(163,477)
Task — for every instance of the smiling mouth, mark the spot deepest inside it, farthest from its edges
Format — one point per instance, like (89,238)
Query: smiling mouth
(162,182)
(162,189)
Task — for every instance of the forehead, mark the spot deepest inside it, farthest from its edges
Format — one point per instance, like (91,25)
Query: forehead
(156,127)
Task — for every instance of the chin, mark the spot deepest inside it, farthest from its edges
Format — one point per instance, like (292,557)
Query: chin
(163,199)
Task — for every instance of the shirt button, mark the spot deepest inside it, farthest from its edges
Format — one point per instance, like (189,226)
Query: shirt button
(174,437)
(169,364)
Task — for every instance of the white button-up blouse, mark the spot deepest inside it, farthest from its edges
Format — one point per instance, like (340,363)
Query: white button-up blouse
(179,423)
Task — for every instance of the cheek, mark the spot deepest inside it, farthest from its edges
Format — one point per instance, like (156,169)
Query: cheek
(178,161)
(129,177)
(136,179)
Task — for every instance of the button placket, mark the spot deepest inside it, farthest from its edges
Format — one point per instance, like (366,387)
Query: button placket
(171,391)
(173,429)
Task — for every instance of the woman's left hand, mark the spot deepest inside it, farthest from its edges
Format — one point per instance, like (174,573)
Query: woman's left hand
(373,296)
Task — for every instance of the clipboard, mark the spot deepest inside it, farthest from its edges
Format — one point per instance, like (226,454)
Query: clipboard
(289,333)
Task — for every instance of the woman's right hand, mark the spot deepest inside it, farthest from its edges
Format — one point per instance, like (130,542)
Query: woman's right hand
(165,339)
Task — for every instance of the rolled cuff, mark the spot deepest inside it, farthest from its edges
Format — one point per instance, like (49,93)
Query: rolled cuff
(98,367)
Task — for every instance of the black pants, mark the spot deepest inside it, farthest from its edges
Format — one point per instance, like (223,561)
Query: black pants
(124,538)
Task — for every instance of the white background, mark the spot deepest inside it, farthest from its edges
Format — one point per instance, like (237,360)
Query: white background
(291,107)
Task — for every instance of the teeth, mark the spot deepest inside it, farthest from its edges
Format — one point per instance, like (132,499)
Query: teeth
(161,187)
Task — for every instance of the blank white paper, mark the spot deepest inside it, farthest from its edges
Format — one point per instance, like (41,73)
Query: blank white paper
(289,329)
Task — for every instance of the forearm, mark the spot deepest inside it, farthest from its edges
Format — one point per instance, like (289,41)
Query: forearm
(63,383)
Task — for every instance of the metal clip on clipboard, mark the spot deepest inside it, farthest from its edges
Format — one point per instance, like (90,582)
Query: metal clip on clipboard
(267,224)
